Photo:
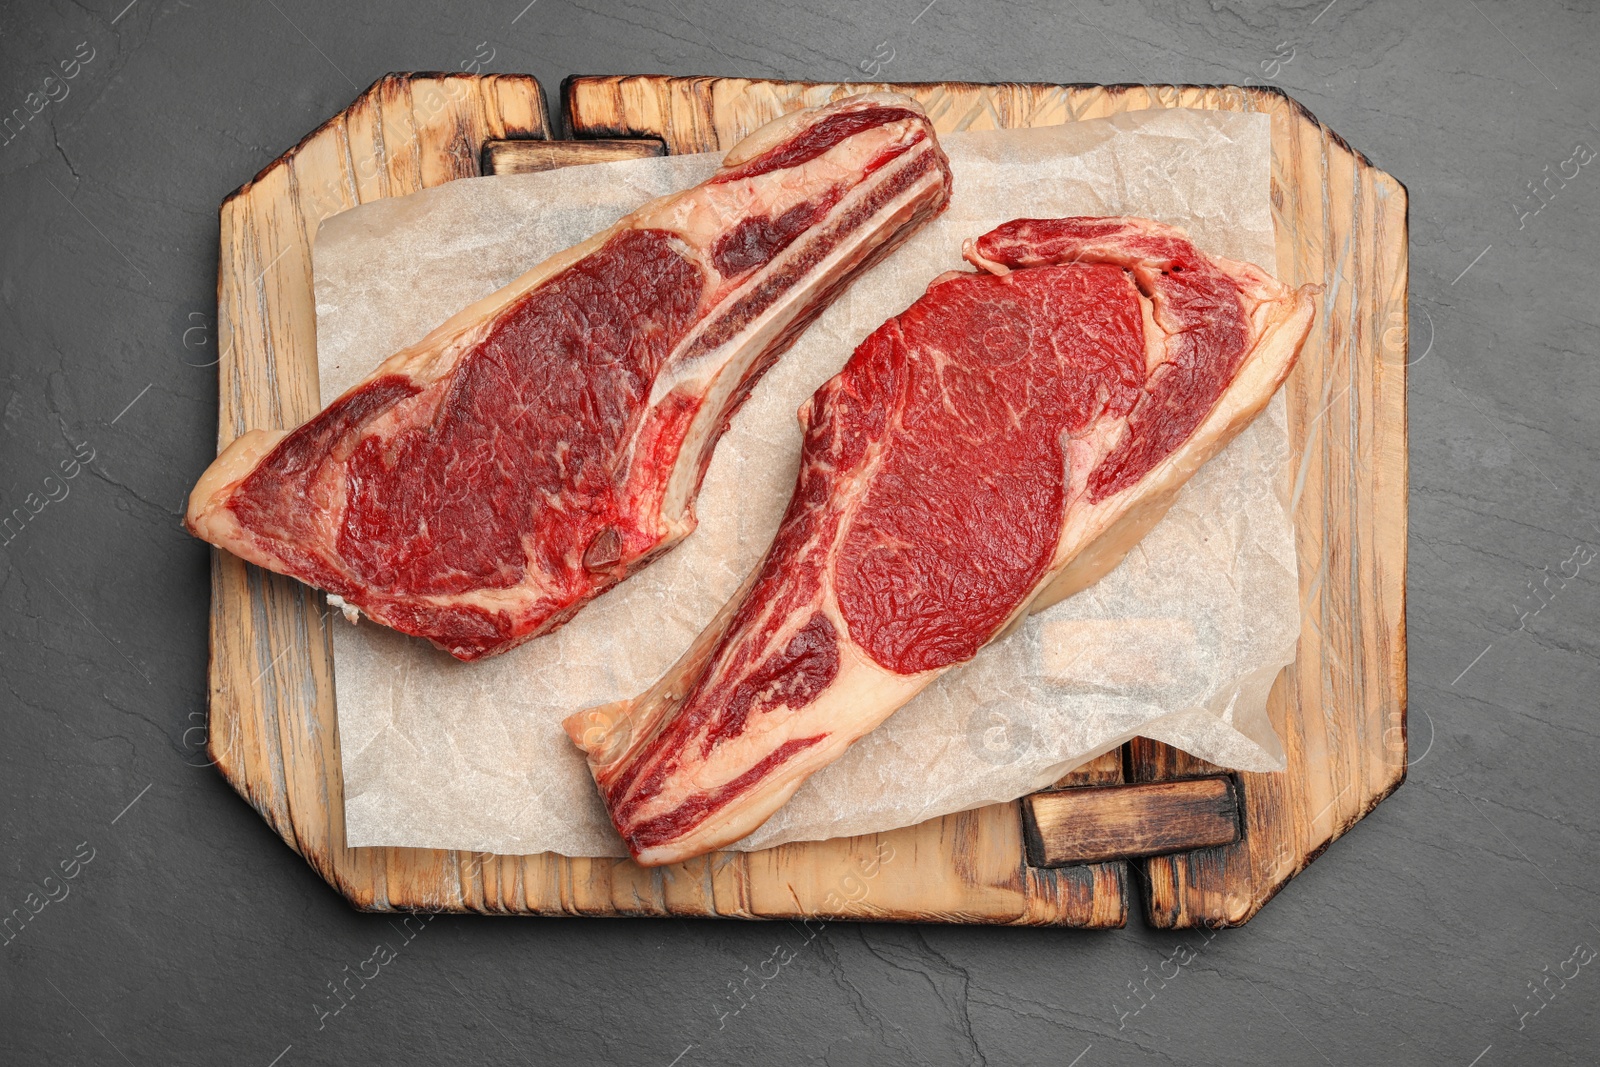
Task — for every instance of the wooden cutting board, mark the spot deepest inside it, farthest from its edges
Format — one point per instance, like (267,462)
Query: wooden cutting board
(1340,708)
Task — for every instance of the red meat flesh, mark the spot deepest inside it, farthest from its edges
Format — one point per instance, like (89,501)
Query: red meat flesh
(538,448)
(942,474)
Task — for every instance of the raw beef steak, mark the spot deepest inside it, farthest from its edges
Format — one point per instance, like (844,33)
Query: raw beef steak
(544,443)
(998,446)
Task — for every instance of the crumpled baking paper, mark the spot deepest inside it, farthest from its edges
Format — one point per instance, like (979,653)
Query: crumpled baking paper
(1181,643)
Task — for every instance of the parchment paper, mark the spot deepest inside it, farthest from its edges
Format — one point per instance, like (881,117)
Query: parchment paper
(1180,643)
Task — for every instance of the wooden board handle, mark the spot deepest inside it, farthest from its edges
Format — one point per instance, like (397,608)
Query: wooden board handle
(529,157)
(1095,824)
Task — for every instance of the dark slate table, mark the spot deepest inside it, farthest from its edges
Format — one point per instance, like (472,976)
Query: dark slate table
(168,924)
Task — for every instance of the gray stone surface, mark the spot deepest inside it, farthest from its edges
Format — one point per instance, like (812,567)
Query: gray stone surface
(191,934)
